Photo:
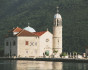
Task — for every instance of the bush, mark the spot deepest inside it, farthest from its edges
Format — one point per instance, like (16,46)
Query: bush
(55,51)
(64,54)
(47,53)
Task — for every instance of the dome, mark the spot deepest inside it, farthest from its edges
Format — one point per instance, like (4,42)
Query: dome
(30,29)
(57,16)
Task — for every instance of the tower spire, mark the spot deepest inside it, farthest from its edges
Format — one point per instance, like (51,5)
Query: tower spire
(57,9)
(47,29)
(28,24)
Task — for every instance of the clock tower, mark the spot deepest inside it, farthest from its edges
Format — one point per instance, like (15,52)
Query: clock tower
(57,34)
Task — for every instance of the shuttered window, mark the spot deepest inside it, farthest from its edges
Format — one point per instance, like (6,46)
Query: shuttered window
(26,42)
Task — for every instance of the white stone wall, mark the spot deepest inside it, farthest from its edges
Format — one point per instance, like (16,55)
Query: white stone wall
(14,33)
(36,45)
(46,43)
(29,50)
(13,48)
(57,39)
(57,31)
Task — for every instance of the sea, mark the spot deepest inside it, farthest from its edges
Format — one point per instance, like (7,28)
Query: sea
(41,65)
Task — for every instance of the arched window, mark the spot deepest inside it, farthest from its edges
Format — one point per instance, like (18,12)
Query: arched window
(7,43)
(14,43)
(57,22)
(58,41)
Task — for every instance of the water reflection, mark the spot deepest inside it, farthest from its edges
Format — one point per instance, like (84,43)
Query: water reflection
(37,65)
(7,65)
(57,65)
(41,65)
(75,66)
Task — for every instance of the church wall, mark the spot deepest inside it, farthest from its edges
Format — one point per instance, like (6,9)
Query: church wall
(10,46)
(46,43)
(27,46)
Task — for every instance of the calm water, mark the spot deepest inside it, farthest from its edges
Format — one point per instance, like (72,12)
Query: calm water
(41,65)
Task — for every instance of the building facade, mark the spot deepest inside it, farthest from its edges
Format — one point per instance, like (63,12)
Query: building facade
(29,43)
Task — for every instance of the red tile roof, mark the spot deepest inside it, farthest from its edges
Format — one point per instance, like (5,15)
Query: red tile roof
(39,33)
(25,33)
(17,29)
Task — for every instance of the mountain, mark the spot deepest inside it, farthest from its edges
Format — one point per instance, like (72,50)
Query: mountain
(39,13)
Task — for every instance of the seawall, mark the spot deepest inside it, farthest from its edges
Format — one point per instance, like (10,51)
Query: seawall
(48,59)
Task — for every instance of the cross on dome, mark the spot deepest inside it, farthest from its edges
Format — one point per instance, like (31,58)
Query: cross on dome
(47,29)
(28,24)
(57,9)
(57,15)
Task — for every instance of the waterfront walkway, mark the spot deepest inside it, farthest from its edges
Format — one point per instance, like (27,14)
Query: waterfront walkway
(48,59)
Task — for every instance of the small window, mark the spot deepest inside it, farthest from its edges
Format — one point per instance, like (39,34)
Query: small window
(47,40)
(14,43)
(26,51)
(7,43)
(26,43)
(35,43)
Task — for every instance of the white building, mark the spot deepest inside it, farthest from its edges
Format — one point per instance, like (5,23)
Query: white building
(29,43)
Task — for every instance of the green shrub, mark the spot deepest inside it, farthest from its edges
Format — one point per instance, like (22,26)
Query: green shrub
(47,53)
(55,51)
(64,54)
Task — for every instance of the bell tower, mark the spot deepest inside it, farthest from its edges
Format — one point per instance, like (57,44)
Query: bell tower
(57,34)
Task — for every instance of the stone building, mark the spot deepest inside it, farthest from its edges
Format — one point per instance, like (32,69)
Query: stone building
(29,43)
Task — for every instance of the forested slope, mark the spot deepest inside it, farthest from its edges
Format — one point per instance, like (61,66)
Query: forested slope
(39,13)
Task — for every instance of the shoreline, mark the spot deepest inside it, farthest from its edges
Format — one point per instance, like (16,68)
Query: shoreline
(48,59)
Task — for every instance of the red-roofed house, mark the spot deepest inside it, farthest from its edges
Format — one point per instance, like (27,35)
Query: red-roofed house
(24,43)
(16,30)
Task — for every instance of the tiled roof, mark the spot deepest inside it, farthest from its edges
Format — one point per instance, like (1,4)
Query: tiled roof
(39,33)
(25,33)
(17,29)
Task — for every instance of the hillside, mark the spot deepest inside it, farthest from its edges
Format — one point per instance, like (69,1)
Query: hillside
(39,13)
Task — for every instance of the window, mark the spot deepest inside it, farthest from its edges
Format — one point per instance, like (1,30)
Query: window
(14,43)
(26,51)
(26,43)
(7,43)
(47,40)
(58,41)
(35,43)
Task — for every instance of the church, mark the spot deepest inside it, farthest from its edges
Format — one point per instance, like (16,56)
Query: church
(28,42)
